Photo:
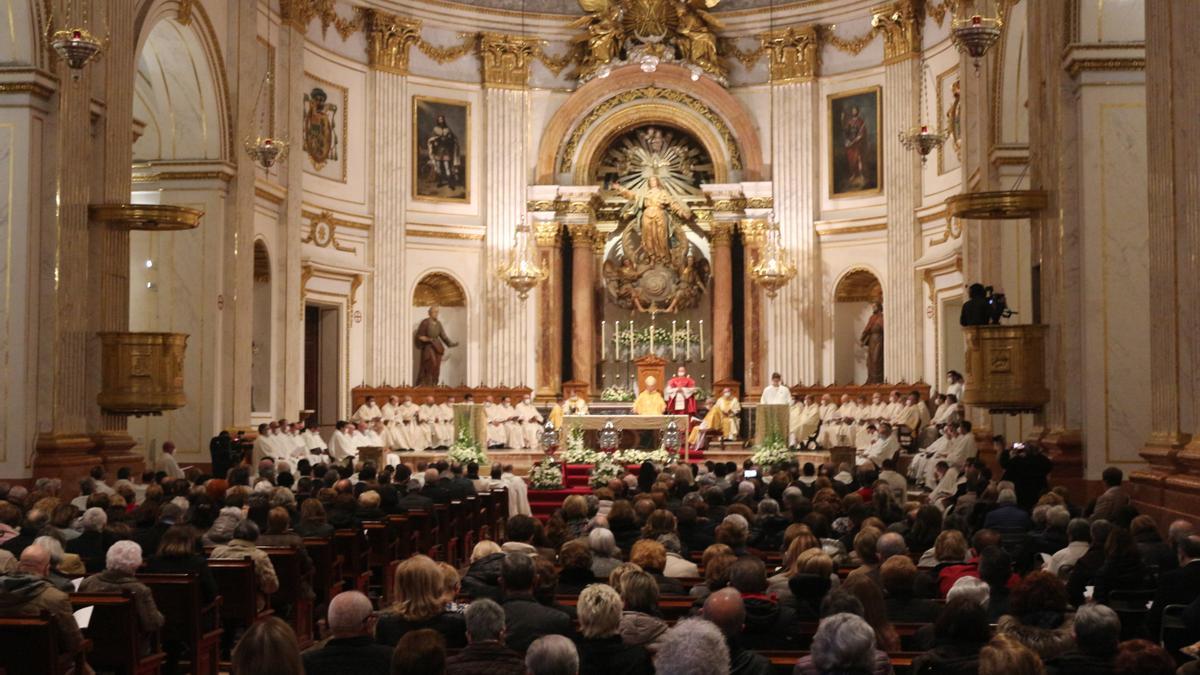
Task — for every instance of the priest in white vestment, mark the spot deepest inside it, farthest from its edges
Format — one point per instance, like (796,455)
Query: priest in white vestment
(313,441)
(341,444)
(513,436)
(417,435)
(427,420)
(445,421)
(883,448)
(518,493)
(166,462)
(262,448)
(728,408)
(804,419)
(828,435)
(954,384)
(776,393)
(964,449)
(945,482)
(892,410)
(923,463)
(910,415)
(531,423)
(497,436)
(575,405)
(367,411)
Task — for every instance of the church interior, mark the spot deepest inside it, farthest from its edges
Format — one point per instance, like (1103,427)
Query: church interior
(526,235)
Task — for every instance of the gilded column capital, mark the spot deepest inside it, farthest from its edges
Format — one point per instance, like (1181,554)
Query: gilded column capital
(507,59)
(900,23)
(545,205)
(546,232)
(583,234)
(753,230)
(793,53)
(721,233)
(389,38)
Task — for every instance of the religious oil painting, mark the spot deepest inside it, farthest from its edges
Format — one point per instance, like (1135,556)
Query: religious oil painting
(325,112)
(855,153)
(440,152)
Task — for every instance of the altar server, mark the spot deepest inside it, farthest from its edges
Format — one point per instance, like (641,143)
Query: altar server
(341,444)
(496,434)
(883,448)
(514,437)
(803,419)
(367,411)
(776,393)
(531,422)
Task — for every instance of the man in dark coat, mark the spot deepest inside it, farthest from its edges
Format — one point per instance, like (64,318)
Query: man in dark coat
(726,609)
(351,649)
(525,618)
(485,653)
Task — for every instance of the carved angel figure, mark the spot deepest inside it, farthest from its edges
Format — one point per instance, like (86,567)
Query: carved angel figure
(601,44)
(697,39)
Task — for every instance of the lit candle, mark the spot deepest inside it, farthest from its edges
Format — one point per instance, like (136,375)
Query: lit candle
(652,336)
(631,340)
(674,344)
(687,345)
(701,339)
(603,344)
(617,340)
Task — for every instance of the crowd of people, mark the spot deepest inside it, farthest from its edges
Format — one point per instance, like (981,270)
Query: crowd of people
(1004,575)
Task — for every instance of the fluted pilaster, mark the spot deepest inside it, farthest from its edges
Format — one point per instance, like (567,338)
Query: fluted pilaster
(391,313)
(794,316)
(508,346)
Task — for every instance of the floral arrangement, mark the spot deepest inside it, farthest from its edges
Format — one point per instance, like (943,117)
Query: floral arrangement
(772,452)
(603,471)
(466,450)
(633,456)
(546,475)
(576,453)
(616,393)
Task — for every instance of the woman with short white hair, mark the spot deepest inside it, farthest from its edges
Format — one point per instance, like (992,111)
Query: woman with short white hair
(606,555)
(122,562)
(693,647)
(844,643)
(601,649)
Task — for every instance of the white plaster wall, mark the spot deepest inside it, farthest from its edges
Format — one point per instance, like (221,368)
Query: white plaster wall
(850,356)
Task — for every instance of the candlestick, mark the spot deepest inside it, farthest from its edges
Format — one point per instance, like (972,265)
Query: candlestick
(687,345)
(631,352)
(674,342)
(617,340)
(651,336)
(701,339)
(603,344)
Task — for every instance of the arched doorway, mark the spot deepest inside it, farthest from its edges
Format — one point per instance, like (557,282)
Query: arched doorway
(260,369)
(853,297)
(439,289)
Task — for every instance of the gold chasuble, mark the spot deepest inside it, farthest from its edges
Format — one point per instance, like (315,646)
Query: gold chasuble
(556,416)
(650,401)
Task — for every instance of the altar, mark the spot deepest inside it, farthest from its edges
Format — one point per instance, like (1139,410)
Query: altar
(628,425)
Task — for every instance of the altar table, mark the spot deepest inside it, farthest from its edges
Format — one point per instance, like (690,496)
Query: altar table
(627,423)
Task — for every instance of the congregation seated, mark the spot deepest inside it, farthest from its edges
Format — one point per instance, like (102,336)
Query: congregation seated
(27,593)
(641,623)
(313,521)
(351,647)
(526,618)
(485,653)
(90,545)
(420,603)
(123,560)
(244,544)
(62,564)
(178,554)
(601,646)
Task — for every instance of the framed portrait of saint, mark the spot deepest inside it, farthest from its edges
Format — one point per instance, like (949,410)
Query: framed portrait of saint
(325,114)
(441,149)
(855,152)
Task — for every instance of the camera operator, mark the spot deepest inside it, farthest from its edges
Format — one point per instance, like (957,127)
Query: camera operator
(1028,468)
(975,311)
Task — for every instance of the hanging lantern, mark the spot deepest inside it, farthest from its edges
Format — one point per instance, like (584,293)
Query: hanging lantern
(77,47)
(522,272)
(976,26)
(774,268)
(922,140)
(610,437)
(266,151)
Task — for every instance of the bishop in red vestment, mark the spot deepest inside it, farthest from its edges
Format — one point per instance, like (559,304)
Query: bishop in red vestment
(681,394)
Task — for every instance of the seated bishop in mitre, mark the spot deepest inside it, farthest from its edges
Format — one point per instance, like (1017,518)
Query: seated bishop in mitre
(650,400)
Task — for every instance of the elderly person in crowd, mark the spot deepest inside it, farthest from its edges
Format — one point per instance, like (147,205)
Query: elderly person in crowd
(652,557)
(27,593)
(576,559)
(727,611)
(601,648)
(677,566)
(122,562)
(62,563)
(605,554)
(1097,635)
(351,647)
(693,647)
(844,643)
(419,603)
(90,545)
(1038,616)
(245,545)
(552,655)
(485,653)
(525,618)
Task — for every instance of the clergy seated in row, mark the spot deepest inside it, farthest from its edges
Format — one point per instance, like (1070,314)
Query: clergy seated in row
(725,416)
(804,419)
(504,424)
(956,446)
(698,437)
(281,441)
(530,421)
(945,411)
(884,447)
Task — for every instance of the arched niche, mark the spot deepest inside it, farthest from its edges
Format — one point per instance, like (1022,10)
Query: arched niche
(440,289)
(261,361)
(853,296)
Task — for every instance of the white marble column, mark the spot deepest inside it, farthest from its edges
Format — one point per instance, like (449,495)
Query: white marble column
(794,315)
(902,301)
(289,398)
(391,359)
(508,344)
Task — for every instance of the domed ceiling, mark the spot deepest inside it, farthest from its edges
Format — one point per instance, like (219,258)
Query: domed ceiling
(572,6)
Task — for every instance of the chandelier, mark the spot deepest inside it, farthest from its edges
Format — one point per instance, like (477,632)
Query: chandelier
(774,269)
(975,28)
(77,47)
(264,147)
(521,271)
(920,138)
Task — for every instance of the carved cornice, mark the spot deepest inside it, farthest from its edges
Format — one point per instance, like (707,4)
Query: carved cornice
(900,23)
(729,205)
(545,205)
(760,202)
(389,39)
(794,53)
(547,233)
(753,230)
(507,59)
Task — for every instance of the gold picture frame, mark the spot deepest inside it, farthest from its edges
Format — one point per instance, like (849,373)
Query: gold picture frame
(450,182)
(867,179)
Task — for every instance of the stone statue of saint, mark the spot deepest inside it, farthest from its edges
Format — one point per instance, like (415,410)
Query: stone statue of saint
(432,341)
(872,339)
(653,212)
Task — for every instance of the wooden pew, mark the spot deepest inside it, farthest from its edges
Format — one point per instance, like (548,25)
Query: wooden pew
(239,594)
(672,607)
(31,645)
(189,622)
(500,517)
(424,525)
(351,545)
(327,569)
(291,601)
(783,661)
(119,645)
(381,548)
